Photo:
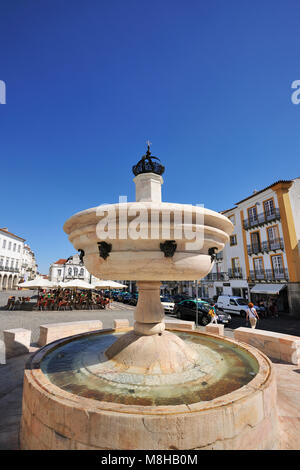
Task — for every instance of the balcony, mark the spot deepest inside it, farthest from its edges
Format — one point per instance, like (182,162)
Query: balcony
(217,277)
(279,274)
(265,247)
(236,273)
(8,269)
(262,219)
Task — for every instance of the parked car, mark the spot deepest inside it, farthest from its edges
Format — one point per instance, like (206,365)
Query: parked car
(134,299)
(167,303)
(223,317)
(208,300)
(234,305)
(179,297)
(188,309)
(126,298)
(120,296)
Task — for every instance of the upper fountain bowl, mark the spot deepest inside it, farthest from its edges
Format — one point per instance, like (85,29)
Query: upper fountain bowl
(148,259)
(148,240)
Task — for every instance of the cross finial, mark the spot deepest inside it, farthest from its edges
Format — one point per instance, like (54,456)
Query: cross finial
(148,144)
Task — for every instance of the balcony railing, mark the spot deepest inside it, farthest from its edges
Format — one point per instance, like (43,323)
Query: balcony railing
(217,277)
(261,219)
(236,273)
(279,274)
(265,246)
(9,269)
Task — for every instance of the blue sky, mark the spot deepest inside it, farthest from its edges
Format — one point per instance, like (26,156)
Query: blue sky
(208,82)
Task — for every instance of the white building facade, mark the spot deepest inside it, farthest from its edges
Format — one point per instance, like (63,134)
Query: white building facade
(17,260)
(65,270)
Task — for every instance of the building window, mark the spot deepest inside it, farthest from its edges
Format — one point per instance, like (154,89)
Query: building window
(232,219)
(235,262)
(258,268)
(69,271)
(255,242)
(19,248)
(233,240)
(269,207)
(75,272)
(273,237)
(4,244)
(219,291)
(14,247)
(277,266)
(9,245)
(252,215)
(59,272)
(81,272)
(236,291)
(7,262)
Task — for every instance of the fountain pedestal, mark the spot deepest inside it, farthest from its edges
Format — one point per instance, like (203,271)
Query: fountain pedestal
(149,312)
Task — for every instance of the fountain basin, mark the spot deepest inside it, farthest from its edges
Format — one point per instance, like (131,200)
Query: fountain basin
(196,408)
(141,258)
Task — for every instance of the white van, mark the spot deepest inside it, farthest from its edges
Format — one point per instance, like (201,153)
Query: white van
(233,304)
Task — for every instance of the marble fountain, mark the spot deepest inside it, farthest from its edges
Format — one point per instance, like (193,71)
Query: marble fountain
(146,387)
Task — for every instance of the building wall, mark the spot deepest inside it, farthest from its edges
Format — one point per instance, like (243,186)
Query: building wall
(286,197)
(72,269)
(11,255)
(17,261)
(295,204)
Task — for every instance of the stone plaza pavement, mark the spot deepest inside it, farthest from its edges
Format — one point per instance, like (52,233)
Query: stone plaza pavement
(11,374)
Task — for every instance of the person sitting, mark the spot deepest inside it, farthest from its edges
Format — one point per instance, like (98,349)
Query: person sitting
(11,302)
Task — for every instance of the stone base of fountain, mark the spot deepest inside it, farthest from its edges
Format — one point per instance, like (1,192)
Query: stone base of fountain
(164,353)
(58,417)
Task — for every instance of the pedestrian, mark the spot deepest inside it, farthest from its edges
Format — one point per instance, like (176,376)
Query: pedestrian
(212,312)
(252,315)
(262,309)
(274,310)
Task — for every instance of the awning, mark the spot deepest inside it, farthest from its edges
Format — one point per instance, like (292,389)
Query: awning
(267,288)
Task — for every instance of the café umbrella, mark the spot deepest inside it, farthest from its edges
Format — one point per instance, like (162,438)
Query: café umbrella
(78,284)
(99,283)
(37,283)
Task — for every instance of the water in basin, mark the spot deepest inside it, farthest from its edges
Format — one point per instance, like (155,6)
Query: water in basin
(80,367)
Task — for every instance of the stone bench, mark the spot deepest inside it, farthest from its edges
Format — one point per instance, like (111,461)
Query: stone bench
(179,324)
(53,331)
(277,346)
(121,323)
(16,341)
(215,329)
(2,352)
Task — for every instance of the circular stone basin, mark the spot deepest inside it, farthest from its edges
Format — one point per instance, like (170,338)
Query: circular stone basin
(81,367)
(76,398)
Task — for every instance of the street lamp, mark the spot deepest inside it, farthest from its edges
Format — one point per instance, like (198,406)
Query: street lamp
(196,282)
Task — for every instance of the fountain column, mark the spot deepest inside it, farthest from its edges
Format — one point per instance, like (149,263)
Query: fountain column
(149,313)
